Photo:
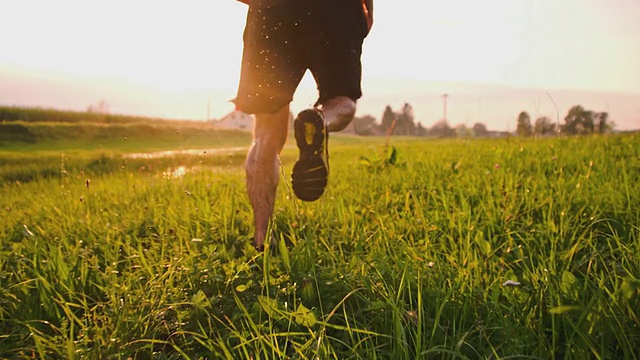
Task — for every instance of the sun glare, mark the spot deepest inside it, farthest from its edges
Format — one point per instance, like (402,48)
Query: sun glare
(170,46)
(169,57)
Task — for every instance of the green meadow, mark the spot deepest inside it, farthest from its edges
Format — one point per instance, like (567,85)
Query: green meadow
(419,249)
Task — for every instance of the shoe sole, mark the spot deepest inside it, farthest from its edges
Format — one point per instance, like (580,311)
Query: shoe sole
(310,173)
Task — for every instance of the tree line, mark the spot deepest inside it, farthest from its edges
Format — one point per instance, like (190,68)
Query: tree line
(578,121)
(403,123)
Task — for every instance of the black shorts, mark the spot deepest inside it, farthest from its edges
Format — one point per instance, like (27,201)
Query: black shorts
(285,38)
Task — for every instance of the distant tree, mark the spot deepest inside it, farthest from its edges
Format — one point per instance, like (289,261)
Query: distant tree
(603,125)
(420,130)
(462,130)
(479,129)
(579,121)
(524,124)
(388,117)
(544,126)
(441,129)
(405,121)
(364,125)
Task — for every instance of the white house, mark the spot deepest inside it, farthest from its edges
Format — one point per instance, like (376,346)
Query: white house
(236,120)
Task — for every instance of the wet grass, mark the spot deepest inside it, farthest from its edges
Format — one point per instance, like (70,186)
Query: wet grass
(448,249)
(93,149)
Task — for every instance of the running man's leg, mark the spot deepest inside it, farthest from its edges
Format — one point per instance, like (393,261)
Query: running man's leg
(269,136)
(338,112)
(335,60)
(333,56)
(272,67)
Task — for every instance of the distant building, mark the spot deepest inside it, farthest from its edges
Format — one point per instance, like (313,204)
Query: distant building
(497,134)
(235,120)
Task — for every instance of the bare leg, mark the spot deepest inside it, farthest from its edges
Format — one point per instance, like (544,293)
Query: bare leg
(338,112)
(269,136)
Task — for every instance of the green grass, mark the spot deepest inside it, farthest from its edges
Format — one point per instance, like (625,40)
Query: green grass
(58,149)
(400,259)
(23,137)
(14,114)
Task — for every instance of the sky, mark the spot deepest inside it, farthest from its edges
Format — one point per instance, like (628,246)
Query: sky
(173,59)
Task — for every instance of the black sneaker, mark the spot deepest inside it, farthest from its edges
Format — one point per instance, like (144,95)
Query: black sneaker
(311,171)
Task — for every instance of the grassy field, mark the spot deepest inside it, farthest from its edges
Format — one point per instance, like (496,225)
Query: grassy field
(450,249)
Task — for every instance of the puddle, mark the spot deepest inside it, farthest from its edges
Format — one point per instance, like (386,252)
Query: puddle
(176,173)
(180,171)
(201,152)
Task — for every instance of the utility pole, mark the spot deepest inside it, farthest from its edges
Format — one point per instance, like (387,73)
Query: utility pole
(444,106)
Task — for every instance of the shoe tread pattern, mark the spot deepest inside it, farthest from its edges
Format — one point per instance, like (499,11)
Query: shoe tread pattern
(310,173)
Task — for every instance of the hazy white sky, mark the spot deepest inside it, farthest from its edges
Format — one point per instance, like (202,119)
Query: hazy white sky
(185,54)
